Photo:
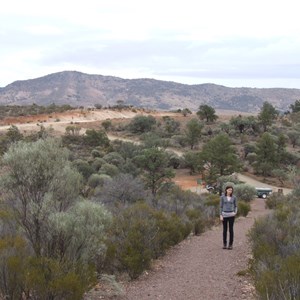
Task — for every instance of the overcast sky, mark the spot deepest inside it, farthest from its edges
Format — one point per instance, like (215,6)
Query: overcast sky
(236,43)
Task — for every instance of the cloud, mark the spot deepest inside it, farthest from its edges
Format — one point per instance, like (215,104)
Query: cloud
(189,40)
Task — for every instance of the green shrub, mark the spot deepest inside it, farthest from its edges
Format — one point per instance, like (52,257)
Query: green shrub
(95,180)
(114,158)
(252,157)
(274,200)
(172,230)
(141,124)
(48,278)
(197,220)
(245,192)
(95,138)
(276,253)
(213,201)
(97,153)
(106,124)
(83,168)
(282,281)
(109,169)
(243,208)
(98,163)
(139,234)
(130,245)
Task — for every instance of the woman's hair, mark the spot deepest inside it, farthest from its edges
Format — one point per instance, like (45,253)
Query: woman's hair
(228,187)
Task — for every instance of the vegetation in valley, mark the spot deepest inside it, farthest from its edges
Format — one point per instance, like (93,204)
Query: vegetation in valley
(79,206)
(34,109)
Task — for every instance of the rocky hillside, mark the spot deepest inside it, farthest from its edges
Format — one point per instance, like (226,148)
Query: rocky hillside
(79,89)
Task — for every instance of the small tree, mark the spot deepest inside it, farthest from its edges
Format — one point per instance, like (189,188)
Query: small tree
(267,158)
(141,124)
(267,115)
(295,107)
(220,156)
(107,124)
(96,138)
(170,126)
(193,132)
(73,130)
(155,163)
(243,124)
(207,112)
(294,137)
(13,134)
(194,161)
(185,112)
(281,175)
(248,148)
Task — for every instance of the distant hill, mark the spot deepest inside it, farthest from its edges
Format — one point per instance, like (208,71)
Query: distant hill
(79,89)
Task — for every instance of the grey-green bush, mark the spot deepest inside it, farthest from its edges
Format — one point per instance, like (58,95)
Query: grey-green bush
(245,192)
(57,235)
(243,208)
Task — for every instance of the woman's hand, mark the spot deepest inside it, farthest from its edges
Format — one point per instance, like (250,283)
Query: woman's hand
(221,218)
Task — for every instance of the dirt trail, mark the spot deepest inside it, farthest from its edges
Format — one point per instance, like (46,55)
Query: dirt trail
(259,184)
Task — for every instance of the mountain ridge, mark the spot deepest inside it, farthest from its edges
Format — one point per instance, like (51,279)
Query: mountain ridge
(80,89)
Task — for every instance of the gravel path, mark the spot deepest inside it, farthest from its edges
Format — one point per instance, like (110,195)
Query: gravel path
(199,269)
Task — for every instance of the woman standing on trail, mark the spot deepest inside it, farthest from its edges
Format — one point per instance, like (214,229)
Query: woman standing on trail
(228,210)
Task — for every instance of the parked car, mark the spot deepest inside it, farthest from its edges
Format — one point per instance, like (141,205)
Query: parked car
(263,192)
(213,189)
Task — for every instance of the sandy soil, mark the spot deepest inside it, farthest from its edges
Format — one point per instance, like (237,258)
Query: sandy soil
(59,121)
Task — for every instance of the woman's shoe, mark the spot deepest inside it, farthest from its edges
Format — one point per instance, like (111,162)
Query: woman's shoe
(229,247)
(224,246)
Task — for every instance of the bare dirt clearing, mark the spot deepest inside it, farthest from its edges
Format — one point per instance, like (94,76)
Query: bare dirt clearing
(59,121)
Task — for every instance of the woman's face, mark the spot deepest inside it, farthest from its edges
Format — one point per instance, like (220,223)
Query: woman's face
(229,191)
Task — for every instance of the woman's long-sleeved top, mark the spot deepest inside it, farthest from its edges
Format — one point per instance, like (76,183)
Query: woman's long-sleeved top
(228,206)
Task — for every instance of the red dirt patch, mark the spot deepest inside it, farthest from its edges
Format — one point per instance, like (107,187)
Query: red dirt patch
(185,180)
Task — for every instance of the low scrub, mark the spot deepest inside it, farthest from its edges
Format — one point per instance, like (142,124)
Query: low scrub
(197,221)
(276,252)
(275,200)
(139,234)
(243,208)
